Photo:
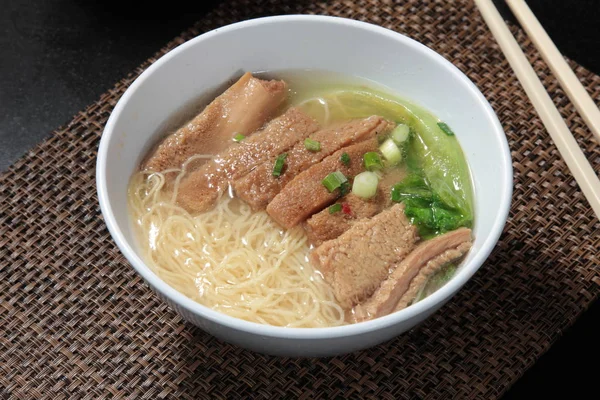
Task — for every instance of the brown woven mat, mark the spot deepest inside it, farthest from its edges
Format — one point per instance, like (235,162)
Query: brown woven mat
(76,320)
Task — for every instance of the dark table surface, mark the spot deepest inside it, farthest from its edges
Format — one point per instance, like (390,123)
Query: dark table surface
(49,71)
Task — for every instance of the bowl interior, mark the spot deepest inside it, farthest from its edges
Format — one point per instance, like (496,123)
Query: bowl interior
(302,42)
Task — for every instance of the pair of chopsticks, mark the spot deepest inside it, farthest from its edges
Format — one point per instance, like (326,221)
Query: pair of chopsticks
(559,132)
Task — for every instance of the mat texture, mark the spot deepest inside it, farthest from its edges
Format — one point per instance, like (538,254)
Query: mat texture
(77,322)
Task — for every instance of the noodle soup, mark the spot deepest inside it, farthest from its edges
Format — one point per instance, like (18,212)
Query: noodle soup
(310,200)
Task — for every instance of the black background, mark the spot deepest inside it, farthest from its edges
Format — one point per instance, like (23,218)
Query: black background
(58,56)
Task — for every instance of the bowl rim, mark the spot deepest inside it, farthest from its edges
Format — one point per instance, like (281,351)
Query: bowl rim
(191,306)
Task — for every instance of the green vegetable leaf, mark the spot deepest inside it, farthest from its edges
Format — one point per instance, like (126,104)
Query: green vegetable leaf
(425,208)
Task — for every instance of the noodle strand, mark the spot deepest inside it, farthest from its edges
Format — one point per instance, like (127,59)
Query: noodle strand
(231,259)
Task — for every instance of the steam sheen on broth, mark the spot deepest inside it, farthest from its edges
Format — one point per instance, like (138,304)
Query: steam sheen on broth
(245,263)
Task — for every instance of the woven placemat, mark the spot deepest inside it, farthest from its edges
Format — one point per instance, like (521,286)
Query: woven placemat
(77,322)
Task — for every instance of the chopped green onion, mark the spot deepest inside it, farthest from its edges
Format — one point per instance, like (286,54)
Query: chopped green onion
(312,145)
(444,127)
(396,194)
(345,159)
(365,185)
(335,208)
(372,161)
(278,167)
(400,134)
(391,152)
(334,180)
(344,189)
(239,137)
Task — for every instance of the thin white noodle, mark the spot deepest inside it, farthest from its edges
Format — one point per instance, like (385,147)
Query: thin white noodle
(231,259)
(323,103)
(183,171)
(326,106)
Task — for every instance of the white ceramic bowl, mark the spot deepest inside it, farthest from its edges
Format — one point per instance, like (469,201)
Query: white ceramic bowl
(305,42)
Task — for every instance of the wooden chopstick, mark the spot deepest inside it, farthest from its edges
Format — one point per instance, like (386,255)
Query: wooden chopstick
(565,75)
(559,132)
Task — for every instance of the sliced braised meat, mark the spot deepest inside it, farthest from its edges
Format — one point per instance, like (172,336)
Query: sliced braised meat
(433,266)
(306,195)
(401,287)
(324,225)
(243,108)
(259,187)
(199,190)
(356,263)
